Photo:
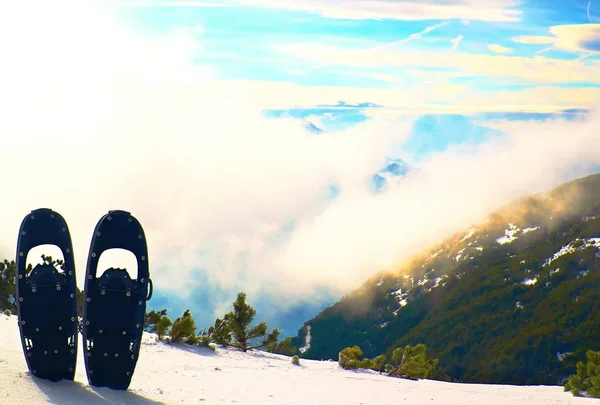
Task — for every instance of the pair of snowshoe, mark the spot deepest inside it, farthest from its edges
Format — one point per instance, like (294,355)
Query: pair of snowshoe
(113,308)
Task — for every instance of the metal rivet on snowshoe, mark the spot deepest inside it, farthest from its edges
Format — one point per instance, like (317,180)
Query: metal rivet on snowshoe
(57,288)
(105,354)
(64,229)
(128,294)
(68,250)
(22,322)
(87,322)
(37,329)
(98,234)
(109,218)
(124,332)
(140,302)
(33,290)
(100,331)
(33,217)
(91,371)
(128,374)
(137,326)
(72,351)
(70,273)
(21,254)
(93,254)
(89,354)
(52,216)
(60,328)
(90,277)
(130,220)
(70,368)
(132,357)
(45,351)
(34,371)
(143,280)
(102,292)
(140,236)
(116,354)
(72,319)
(72,295)
(20,299)
(29,354)
(20,276)
(55,351)
(23,233)
(88,299)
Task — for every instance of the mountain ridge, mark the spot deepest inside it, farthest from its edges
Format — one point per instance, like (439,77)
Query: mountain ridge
(490,290)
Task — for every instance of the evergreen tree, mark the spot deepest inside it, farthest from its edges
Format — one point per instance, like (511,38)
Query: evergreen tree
(587,378)
(284,347)
(235,329)
(184,329)
(412,362)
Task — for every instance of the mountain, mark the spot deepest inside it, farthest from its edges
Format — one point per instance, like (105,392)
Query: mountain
(512,300)
(394,168)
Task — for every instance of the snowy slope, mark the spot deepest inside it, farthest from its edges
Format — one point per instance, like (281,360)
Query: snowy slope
(186,375)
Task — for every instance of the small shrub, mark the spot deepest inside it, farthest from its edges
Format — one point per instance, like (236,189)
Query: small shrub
(296,360)
(412,362)
(350,358)
(204,340)
(184,329)
(284,347)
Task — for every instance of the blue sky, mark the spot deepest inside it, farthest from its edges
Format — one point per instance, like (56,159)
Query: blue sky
(195,116)
(521,58)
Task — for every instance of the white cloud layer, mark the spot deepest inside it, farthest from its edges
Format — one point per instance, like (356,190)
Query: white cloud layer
(96,118)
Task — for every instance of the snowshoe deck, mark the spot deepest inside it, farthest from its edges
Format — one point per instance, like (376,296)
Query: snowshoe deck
(46,299)
(115,304)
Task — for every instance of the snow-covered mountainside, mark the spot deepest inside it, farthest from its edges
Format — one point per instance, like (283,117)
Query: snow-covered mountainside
(184,375)
(511,300)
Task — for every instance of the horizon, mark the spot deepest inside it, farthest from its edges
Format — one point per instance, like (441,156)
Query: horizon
(245,134)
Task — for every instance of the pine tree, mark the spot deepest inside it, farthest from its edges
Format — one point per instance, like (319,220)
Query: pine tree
(184,329)
(412,362)
(587,378)
(284,347)
(238,333)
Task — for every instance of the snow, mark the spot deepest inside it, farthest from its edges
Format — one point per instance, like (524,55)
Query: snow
(527,230)
(468,235)
(459,254)
(183,374)
(530,281)
(509,235)
(570,248)
(306,341)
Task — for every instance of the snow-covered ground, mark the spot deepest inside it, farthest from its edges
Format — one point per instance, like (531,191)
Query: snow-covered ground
(187,375)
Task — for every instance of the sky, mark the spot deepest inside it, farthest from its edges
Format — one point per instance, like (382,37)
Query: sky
(199,118)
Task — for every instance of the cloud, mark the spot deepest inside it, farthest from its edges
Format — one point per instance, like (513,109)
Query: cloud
(456,41)
(474,10)
(499,48)
(537,69)
(570,38)
(106,119)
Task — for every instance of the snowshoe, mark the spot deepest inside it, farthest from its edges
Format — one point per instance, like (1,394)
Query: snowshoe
(46,298)
(115,304)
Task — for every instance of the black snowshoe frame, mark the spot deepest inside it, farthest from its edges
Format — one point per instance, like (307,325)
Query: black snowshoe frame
(115,304)
(46,299)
